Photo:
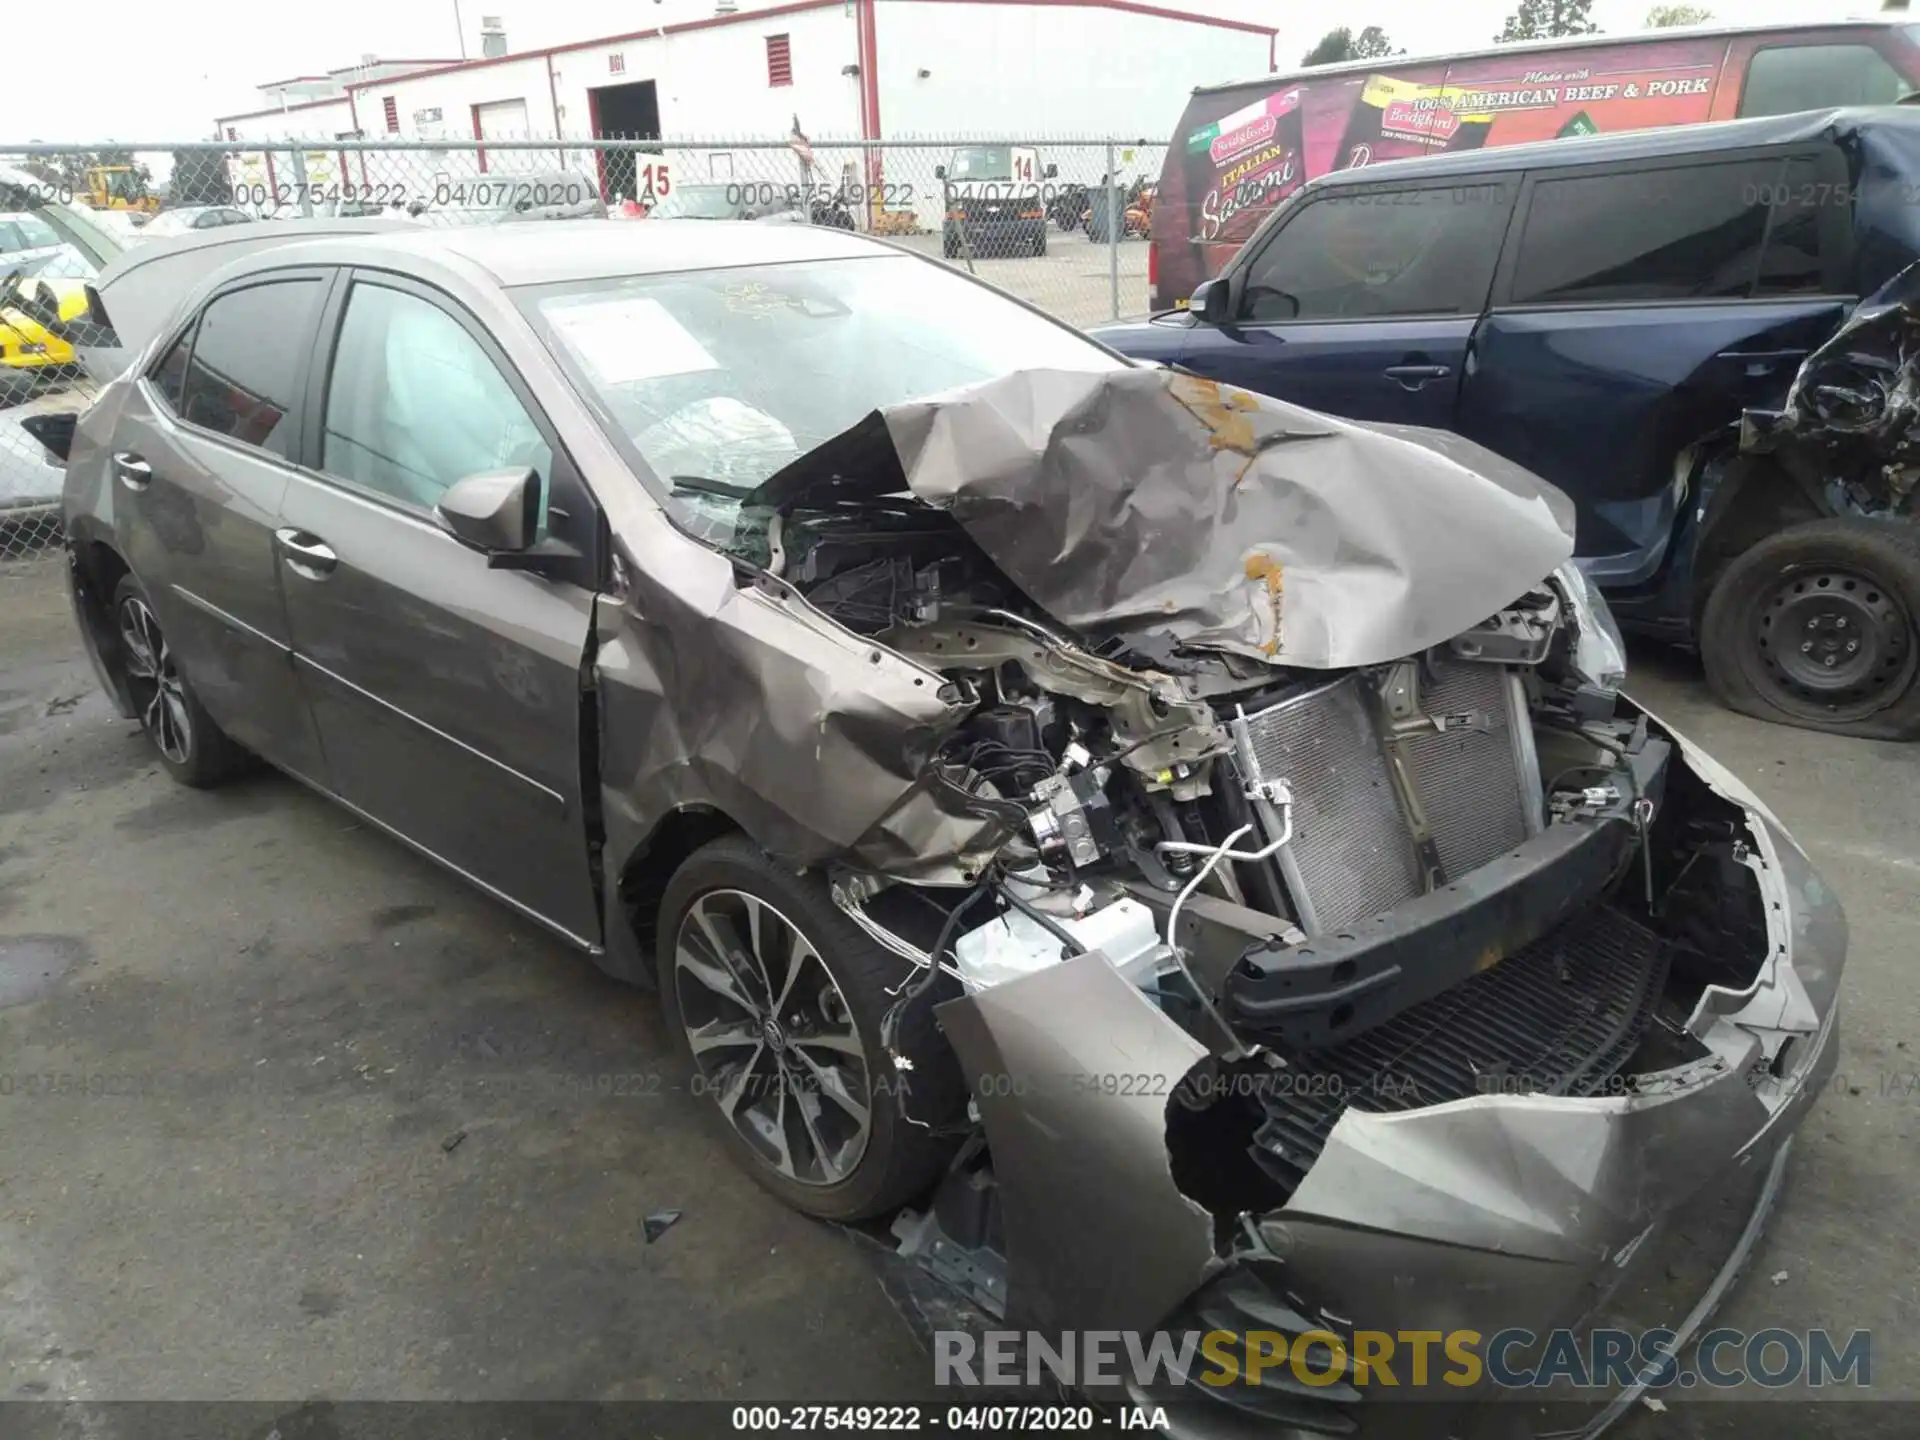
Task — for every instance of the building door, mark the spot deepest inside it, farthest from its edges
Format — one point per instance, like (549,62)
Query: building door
(624,112)
(501,120)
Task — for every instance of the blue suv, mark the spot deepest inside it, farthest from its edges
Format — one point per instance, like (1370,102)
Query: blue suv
(1669,326)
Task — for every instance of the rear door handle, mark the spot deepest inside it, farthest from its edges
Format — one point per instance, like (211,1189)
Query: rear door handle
(1414,376)
(306,554)
(134,473)
(1762,362)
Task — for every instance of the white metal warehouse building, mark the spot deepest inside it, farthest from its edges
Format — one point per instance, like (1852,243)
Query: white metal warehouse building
(845,69)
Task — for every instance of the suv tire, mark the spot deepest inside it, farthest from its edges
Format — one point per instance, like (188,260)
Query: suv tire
(1815,627)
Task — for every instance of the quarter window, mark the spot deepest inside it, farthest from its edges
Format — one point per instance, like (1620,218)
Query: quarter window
(170,374)
(240,379)
(1791,264)
(415,404)
(1686,233)
(1379,253)
(1783,79)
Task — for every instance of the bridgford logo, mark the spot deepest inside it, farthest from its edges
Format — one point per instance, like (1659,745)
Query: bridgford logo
(1410,117)
(1238,142)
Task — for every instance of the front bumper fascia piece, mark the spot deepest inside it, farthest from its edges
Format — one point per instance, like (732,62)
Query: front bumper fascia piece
(1486,1213)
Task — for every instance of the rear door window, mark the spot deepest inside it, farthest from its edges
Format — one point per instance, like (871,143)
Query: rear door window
(246,358)
(1370,254)
(1691,232)
(1783,79)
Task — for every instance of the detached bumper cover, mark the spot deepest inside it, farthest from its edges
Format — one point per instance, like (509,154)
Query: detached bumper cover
(1488,1212)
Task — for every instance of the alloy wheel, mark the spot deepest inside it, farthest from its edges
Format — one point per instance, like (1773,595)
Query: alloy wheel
(155,680)
(773,1037)
(1835,643)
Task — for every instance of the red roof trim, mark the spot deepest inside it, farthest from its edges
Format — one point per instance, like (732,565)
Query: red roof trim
(392,60)
(793,8)
(1132,6)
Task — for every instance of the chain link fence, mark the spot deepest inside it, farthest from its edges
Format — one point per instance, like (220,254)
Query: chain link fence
(1061,223)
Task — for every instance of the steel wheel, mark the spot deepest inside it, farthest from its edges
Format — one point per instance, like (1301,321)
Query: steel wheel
(773,1037)
(155,681)
(1835,641)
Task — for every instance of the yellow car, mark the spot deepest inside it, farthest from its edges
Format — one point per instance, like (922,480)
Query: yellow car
(31,351)
(48,252)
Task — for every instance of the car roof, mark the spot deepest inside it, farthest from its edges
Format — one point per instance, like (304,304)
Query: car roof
(1388,64)
(541,252)
(1699,139)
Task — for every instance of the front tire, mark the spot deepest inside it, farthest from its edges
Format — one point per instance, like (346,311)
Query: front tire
(1814,627)
(193,748)
(776,999)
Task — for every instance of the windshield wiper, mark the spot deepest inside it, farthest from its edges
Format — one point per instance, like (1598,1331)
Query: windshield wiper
(707,485)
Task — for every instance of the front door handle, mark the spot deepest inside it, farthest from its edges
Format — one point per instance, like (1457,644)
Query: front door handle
(306,554)
(1412,377)
(134,473)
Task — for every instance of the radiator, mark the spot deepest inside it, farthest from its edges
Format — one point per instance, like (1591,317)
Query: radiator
(1354,852)
(1469,780)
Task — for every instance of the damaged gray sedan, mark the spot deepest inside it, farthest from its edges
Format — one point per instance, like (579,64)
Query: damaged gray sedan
(1187,859)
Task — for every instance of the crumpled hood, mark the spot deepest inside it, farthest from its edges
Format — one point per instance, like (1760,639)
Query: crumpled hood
(1152,505)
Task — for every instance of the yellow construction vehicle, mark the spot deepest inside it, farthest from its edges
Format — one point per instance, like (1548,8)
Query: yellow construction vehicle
(119,187)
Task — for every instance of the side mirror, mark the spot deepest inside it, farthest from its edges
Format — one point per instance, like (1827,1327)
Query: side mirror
(939,172)
(1051,171)
(1210,301)
(495,511)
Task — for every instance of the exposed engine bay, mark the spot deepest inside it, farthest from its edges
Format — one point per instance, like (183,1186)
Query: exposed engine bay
(1222,829)
(1288,820)
(1286,858)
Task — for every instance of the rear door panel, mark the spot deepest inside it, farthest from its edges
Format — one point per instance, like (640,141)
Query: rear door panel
(198,532)
(1600,401)
(1639,308)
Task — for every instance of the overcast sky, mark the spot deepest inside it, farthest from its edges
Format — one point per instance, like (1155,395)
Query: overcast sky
(162,72)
